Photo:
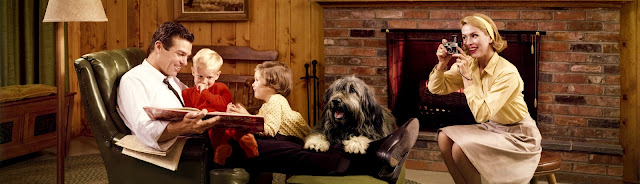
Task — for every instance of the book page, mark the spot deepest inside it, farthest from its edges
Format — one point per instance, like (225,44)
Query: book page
(170,161)
(133,143)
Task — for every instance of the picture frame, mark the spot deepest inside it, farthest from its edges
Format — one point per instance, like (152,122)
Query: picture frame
(211,10)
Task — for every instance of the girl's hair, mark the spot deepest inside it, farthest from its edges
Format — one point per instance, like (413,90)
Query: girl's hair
(277,76)
(208,60)
(499,44)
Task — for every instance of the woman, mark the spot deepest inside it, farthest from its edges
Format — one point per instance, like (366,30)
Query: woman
(505,146)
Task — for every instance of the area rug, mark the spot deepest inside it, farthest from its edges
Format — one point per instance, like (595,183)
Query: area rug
(78,169)
(410,182)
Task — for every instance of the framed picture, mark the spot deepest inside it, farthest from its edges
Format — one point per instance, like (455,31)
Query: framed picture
(211,10)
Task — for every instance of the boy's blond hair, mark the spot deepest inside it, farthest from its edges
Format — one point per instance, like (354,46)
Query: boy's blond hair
(277,76)
(207,59)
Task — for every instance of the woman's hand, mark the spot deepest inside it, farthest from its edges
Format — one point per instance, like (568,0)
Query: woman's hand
(443,57)
(237,109)
(462,62)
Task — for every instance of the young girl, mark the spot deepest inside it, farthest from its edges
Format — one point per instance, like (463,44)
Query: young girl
(272,83)
(505,146)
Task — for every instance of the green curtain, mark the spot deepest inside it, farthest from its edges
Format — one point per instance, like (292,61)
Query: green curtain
(27,45)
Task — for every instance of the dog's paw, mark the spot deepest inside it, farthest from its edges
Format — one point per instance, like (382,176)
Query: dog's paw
(356,145)
(316,142)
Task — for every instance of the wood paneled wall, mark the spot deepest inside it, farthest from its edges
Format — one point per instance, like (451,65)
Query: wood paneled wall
(291,27)
(630,86)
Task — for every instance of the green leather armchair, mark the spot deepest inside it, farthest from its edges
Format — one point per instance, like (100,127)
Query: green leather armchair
(99,75)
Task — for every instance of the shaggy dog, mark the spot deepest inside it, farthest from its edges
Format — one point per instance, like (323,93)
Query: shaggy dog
(352,117)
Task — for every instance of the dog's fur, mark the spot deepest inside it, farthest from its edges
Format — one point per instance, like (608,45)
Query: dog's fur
(352,116)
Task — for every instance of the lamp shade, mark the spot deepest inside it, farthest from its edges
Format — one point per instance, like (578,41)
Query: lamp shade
(74,11)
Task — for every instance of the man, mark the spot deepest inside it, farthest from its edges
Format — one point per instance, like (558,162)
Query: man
(154,83)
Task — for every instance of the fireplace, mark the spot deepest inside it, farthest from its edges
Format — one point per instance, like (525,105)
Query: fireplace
(578,74)
(411,57)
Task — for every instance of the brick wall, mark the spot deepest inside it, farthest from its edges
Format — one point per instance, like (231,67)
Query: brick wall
(579,80)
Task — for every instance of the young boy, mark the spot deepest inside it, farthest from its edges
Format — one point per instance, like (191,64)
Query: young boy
(207,94)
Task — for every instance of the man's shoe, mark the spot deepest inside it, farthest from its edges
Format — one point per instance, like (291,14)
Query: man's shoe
(394,150)
(391,174)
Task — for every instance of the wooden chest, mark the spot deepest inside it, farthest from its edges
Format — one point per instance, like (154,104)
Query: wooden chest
(29,125)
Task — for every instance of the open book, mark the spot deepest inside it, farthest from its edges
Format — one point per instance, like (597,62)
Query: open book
(244,122)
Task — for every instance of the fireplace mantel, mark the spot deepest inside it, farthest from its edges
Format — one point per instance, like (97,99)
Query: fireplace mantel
(474,3)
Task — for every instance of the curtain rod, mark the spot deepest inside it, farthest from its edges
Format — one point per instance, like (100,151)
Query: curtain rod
(458,31)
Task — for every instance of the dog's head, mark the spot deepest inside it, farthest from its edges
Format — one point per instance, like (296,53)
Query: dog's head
(349,99)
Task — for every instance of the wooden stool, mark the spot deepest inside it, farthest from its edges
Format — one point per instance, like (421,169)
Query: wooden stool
(549,164)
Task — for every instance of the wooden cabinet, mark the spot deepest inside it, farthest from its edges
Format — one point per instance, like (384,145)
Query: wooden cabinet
(29,125)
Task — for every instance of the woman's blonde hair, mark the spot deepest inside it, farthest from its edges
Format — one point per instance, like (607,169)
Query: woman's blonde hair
(476,20)
(277,76)
(208,60)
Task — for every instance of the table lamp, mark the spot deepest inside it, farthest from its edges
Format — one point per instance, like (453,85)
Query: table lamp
(61,11)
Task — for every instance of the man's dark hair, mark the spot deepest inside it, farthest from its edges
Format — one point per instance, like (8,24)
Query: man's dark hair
(166,32)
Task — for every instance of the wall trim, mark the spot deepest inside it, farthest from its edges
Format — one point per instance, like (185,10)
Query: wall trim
(475,3)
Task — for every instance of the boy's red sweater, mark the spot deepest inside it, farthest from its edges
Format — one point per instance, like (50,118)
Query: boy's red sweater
(213,99)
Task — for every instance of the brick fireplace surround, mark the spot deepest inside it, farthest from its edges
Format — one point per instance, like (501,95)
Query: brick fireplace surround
(579,75)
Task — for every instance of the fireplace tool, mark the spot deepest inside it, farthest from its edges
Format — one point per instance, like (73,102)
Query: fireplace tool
(306,81)
(315,91)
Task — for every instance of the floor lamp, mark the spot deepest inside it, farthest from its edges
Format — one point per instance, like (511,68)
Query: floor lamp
(61,11)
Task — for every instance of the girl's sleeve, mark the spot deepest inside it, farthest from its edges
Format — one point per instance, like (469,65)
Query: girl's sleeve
(272,113)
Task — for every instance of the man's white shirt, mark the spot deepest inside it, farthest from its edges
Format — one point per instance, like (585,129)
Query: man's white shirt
(140,87)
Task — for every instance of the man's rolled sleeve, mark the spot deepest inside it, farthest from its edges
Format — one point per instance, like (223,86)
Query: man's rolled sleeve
(130,103)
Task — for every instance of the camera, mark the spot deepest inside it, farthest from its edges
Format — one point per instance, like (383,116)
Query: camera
(452,47)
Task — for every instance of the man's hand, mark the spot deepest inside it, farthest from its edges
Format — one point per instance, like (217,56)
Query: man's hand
(191,123)
(194,123)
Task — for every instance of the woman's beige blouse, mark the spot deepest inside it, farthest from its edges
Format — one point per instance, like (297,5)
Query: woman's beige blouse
(496,92)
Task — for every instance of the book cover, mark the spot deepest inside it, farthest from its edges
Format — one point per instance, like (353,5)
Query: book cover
(243,122)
